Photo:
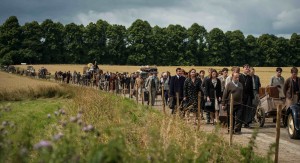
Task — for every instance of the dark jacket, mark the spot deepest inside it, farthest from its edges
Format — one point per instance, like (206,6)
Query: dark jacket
(246,81)
(210,89)
(257,82)
(191,90)
(288,87)
(176,85)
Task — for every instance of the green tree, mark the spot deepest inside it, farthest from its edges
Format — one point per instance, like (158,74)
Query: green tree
(95,40)
(253,51)
(139,40)
(102,54)
(236,48)
(295,49)
(91,40)
(269,52)
(73,44)
(177,39)
(217,48)
(196,43)
(116,44)
(158,50)
(284,52)
(53,49)
(10,41)
(32,44)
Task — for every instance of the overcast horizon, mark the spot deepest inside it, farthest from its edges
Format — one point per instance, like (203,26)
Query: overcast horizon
(251,17)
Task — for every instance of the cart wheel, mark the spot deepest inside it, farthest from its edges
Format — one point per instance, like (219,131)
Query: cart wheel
(260,116)
(291,128)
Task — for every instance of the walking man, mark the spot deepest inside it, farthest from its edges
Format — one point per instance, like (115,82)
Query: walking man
(235,88)
(176,86)
(278,81)
(291,88)
(151,87)
(248,95)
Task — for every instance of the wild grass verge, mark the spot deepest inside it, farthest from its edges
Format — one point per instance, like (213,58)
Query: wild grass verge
(100,127)
(64,91)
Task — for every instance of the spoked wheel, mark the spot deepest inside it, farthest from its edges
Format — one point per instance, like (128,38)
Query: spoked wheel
(260,116)
(291,128)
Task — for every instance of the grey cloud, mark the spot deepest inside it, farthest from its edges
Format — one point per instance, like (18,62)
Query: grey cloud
(251,17)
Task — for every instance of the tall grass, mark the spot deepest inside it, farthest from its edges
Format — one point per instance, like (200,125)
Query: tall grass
(101,127)
(37,92)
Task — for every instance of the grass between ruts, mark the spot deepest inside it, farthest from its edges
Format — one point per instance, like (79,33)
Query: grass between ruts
(94,126)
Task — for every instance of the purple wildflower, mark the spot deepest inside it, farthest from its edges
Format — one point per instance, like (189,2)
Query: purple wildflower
(64,124)
(85,129)
(23,152)
(62,111)
(58,136)
(88,128)
(43,144)
(79,122)
(5,123)
(73,119)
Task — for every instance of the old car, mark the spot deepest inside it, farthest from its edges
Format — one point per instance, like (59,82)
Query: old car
(292,121)
(144,70)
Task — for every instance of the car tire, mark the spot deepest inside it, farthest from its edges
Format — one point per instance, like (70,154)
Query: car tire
(293,133)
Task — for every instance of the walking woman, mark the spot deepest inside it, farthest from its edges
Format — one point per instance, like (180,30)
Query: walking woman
(166,83)
(213,95)
(191,88)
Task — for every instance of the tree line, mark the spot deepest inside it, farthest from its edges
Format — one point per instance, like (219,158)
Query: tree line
(140,44)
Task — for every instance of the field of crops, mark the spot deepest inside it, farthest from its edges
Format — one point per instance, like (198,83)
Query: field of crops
(10,82)
(265,73)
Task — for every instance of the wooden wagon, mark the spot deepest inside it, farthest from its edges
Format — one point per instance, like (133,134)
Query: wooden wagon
(267,104)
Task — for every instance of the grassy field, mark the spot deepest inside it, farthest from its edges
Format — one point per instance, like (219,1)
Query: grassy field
(265,73)
(10,82)
(95,126)
(14,88)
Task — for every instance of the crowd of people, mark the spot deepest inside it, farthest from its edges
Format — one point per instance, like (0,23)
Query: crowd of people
(215,89)
(218,87)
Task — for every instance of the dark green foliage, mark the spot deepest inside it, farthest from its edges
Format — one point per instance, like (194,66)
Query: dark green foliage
(140,44)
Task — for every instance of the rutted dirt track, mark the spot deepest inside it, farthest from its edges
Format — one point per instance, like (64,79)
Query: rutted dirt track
(289,150)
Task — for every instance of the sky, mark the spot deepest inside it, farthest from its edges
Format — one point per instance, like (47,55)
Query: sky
(256,17)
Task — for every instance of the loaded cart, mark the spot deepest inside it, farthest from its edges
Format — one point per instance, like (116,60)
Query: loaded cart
(267,105)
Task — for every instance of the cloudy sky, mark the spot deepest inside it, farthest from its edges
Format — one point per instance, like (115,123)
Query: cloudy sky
(279,17)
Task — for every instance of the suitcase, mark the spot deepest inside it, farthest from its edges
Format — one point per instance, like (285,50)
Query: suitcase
(273,91)
(146,96)
(262,92)
(222,115)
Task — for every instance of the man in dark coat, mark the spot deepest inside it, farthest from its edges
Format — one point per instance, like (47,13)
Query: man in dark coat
(291,88)
(176,86)
(248,95)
